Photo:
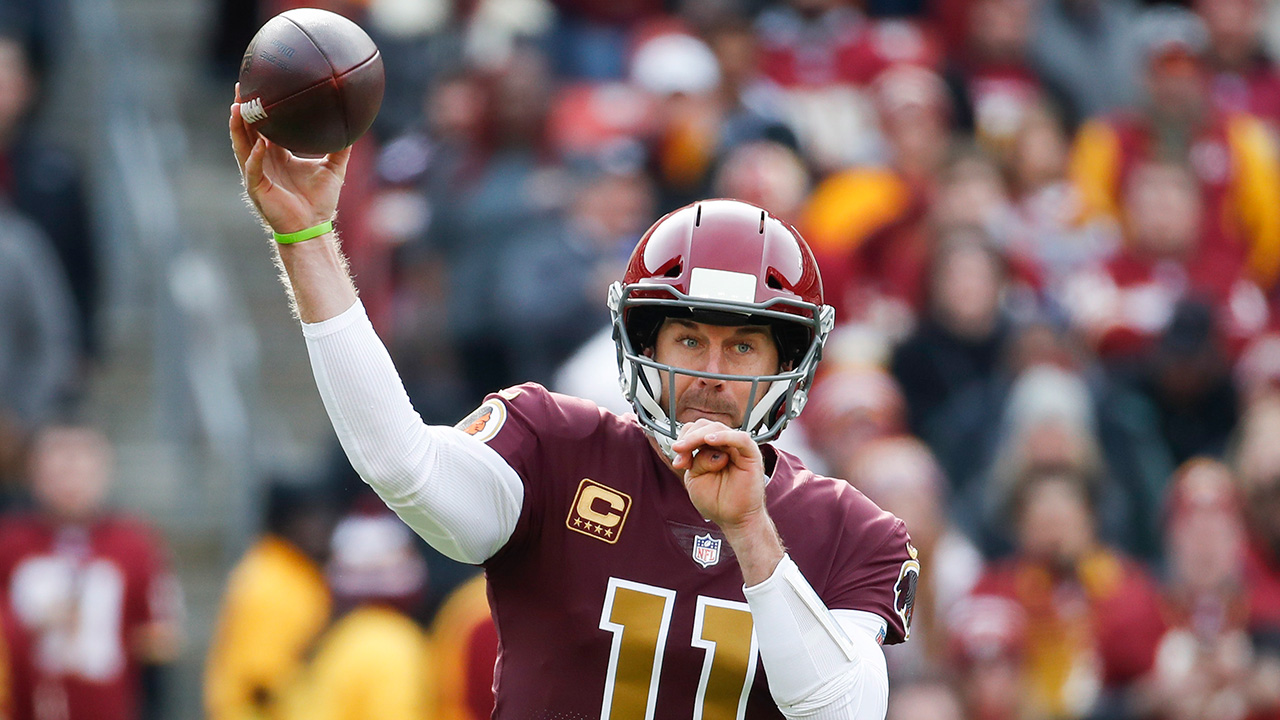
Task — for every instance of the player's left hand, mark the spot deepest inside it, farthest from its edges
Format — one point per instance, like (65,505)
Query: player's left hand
(723,472)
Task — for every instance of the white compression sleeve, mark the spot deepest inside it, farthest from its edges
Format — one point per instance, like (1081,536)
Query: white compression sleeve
(820,666)
(453,490)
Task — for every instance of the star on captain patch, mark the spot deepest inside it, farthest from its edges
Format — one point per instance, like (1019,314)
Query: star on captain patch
(706,550)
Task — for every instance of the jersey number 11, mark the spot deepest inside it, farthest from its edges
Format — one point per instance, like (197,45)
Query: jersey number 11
(639,616)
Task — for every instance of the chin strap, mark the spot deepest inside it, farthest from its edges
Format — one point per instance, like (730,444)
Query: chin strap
(664,442)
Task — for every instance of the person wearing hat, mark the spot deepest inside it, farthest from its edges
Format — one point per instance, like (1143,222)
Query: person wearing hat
(373,660)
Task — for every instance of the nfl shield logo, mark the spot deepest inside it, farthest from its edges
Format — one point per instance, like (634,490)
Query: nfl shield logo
(706,550)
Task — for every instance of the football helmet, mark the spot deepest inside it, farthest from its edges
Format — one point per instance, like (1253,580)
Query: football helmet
(724,262)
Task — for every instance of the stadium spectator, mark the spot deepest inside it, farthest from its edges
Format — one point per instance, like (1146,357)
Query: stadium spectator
(988,645)
(988,652)
(901,475)
(1188,383)
(90,588)
(868,225)
(1125,304)
(1231,155)
(1203,667)
(681,75)
(1258,464)
(824,55)
(1052,420)
(38,369)
(1091,51)
(753,105)
(992,78)
(44,183)
(959,342)
(511,183)
(1257,371)
(373,659)
(590,39)
(764,172)
(554,274)
(9,658)
(1093,616)
(1043,231)
(466,645)
(275,606)
(1242,77)
(850,406)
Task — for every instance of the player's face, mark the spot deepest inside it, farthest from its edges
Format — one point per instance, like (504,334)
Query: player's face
(728,350)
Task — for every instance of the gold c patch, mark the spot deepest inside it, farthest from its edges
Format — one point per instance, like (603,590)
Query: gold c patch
(485,421)
(598,511)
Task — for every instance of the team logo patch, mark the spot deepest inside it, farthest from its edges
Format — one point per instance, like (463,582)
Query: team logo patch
(904,591)
(706,550)
(598,511)
(485,422)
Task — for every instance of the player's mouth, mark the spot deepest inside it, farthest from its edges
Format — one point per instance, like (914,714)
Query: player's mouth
(727,418)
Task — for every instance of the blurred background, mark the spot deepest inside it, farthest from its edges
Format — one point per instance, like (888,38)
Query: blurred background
(1050,228)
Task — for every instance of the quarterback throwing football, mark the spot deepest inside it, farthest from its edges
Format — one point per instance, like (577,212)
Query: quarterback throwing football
(665,564)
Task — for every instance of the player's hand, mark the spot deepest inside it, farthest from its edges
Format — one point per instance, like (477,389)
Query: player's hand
(723,473)
(291,193)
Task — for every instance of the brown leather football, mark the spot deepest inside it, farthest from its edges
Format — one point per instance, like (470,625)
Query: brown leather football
(311,80)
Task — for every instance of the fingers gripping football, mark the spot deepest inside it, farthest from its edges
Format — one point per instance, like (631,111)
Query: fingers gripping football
(723,472)
(290,192)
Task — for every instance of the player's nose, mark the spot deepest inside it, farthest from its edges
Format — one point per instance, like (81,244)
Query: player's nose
(715,364)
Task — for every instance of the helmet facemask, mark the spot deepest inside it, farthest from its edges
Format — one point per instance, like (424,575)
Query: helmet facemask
(773,400)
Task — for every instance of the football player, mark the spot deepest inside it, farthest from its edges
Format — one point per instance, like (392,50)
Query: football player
(667,563)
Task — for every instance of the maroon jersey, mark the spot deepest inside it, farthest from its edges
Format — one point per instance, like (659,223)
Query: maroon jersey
(80,595)
(614,598)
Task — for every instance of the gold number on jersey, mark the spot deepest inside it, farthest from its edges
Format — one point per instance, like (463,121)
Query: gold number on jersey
(639,616)
(725,629)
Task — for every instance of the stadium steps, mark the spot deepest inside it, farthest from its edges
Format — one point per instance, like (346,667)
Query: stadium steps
(186,493)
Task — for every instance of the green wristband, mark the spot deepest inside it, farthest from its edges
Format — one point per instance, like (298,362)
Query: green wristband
(311,232)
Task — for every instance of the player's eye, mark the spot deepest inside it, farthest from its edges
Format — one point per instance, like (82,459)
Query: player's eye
(688,342)
(744,347)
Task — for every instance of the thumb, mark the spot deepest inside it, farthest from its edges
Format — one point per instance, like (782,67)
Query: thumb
(709,460)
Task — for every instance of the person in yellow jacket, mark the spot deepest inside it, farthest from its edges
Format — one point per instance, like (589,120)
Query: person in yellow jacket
(276,605)
(374,661)
(867,225)
(1234,156)
(466,645)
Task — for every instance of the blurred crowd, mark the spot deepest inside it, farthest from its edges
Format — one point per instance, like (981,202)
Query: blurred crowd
(1051,232)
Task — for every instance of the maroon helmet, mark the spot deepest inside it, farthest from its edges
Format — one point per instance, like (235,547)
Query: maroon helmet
(724,262)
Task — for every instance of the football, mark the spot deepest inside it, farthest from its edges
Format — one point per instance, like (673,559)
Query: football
(311,81)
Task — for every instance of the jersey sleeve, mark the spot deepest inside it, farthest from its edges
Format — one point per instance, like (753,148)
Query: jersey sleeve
(530,427)
(877,571)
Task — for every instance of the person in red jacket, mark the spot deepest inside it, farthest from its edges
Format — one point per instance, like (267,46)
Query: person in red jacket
(90,589)
(1123,305)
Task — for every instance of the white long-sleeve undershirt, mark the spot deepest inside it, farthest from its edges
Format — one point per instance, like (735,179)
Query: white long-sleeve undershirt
(464,499)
